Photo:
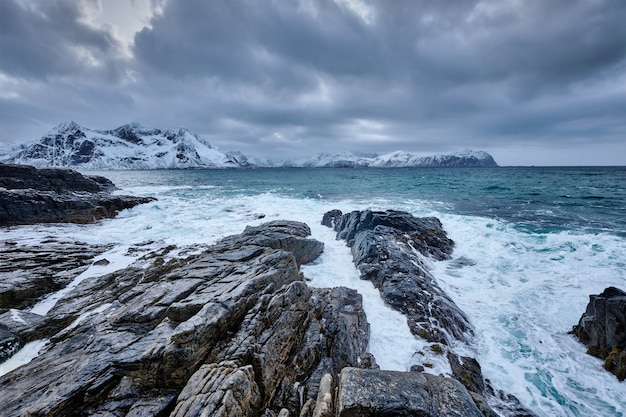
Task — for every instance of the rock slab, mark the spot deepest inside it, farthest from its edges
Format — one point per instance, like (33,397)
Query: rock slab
(29,195)
(389,248)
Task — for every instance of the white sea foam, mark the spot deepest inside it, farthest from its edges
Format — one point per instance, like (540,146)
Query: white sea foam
(391,341)
(29,352)
(523,293)
(116,259)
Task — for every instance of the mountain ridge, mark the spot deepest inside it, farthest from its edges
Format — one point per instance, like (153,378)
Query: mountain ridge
(134,146)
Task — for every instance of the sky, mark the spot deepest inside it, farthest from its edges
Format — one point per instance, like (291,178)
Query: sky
(532,82)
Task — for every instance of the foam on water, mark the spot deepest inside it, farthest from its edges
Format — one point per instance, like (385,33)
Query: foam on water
(523,293)
(391,341)
(29,352)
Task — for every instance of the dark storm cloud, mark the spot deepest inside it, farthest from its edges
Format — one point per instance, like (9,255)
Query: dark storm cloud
(44,39)
(285,77)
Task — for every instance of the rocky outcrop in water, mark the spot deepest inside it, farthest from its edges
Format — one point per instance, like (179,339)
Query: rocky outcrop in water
(29,195)
(391,249)
(602,328)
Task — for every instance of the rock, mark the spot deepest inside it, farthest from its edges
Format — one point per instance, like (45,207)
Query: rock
(9,343)
(388,247)
(280,234)
(232,331)
(238,394)
(31,271)
(602,328)
(29,195)
(324,403)
(367,392)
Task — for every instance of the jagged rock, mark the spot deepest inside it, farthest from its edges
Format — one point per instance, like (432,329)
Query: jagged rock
(29,195)
(9,343)
(238,317)
(367,392)
(31,271)
(238,394)
(386,246)
(280,234)
(388,249)
(602,328)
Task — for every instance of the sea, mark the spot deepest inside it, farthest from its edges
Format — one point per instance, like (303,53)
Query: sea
(531,245)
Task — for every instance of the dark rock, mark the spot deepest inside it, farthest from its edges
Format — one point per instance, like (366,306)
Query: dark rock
(9,343)
(386,246)
(467,371)
(366,392)
(233,331)
(281,234)
(602,328)
(388,249)
(31,271)
(29,195)
(331,218)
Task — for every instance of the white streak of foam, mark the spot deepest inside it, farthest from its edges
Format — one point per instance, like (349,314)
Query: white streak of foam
(391,341)
(117,259)
(23,356)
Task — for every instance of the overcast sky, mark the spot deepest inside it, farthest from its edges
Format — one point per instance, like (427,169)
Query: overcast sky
(533,82)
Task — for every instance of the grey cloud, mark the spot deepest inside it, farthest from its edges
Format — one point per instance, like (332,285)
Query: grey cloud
(48,39)
(286,77)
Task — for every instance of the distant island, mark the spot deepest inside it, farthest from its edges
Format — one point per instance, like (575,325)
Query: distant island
(134,146)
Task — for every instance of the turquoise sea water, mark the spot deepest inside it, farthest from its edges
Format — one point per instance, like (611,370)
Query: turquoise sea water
(531,245)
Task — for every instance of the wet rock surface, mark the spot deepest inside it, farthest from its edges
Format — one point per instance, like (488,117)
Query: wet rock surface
(602,328)
(367,392)
(234,330)
(391,249)
(386,246)
(30,271)
(29,195)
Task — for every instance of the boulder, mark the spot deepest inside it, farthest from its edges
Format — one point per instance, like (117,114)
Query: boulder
(602,328)
(368,392)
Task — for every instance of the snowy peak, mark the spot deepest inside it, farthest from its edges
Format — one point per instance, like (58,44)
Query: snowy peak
(339,160)
(130,146)
(398,159)
(464,158)
(134,146)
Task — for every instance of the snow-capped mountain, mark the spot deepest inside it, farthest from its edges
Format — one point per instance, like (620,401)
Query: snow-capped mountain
(130,146)
(338,160)
(134,146)
(398,159)
(464,158)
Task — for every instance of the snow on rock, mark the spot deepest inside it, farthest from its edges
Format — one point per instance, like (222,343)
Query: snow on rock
(134,146)
(130,146)
(464,158)
(397,159)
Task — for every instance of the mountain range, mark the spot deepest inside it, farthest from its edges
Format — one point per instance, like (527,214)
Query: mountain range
(134,146)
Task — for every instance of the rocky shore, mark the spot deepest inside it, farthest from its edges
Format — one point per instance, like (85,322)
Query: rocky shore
(236,331)
(29,195)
